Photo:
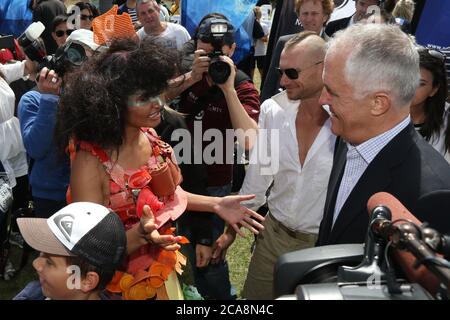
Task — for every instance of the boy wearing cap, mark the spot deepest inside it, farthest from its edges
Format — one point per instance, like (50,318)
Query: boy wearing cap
(81,247)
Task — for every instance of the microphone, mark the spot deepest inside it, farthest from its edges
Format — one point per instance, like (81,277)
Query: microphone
(397,209)
(370,266)
(410,235)
(381,221)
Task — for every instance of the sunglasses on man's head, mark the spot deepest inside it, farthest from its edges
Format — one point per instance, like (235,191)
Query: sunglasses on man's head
(434,53)
(86,17)
(292,73)
(60,33)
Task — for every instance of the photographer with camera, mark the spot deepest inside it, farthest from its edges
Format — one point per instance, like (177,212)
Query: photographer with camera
(215,95)
(49,177)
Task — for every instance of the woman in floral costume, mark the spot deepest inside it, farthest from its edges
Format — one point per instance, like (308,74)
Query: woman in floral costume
(106,116)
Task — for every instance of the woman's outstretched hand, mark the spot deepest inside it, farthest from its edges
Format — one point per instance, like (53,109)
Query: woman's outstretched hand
(149,230)
(230,209)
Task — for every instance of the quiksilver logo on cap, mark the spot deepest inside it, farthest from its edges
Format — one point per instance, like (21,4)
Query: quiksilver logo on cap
(65,223)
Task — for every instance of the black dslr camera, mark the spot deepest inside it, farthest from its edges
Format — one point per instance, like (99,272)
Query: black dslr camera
(217,32)
(69,55)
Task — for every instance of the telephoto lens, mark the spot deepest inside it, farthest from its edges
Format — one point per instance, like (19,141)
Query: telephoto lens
(218,70)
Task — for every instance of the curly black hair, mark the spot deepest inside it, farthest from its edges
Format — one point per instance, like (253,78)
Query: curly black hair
(435,106)
(93,106)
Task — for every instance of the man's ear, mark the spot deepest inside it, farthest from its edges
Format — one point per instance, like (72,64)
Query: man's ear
(54,36)
(90,282)
(381,103)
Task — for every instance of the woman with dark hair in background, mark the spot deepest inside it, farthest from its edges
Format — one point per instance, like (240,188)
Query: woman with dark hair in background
(429,111)
(83,18)
(109,109)
(94,9)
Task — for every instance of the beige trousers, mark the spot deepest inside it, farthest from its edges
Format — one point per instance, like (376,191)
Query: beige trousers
(273,242)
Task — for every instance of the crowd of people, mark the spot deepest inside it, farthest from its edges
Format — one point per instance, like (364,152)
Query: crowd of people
(118,144)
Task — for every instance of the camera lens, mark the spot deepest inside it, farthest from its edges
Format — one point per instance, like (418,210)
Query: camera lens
(74,56)
(219,70)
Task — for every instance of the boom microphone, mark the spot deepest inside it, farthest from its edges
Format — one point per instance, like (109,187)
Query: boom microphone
(407,235)
(380,221)
(397,209)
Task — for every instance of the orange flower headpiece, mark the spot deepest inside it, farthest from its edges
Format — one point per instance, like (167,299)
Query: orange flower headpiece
(111,25)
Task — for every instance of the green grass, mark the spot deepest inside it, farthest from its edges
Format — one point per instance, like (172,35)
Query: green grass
(8,289)
(238,257)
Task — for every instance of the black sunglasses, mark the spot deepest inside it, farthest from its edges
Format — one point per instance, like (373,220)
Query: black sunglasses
(292,73)
(60,33)
(86,17)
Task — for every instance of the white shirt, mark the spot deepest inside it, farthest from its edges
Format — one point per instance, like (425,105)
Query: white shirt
(358,159)
(297,197)
(12,150)
(261,46)
(173,37)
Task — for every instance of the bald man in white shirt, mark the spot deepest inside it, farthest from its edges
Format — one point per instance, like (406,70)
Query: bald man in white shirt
(305,147)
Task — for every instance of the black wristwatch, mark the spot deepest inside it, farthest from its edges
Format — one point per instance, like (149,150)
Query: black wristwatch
(205,242)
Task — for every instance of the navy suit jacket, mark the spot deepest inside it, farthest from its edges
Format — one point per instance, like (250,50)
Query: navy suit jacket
(409,168)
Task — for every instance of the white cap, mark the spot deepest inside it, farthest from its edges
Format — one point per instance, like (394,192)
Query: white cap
(84,37)
(84,229)
(65,225)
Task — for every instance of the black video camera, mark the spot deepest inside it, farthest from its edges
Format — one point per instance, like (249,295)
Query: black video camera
(217,32)
(71,54)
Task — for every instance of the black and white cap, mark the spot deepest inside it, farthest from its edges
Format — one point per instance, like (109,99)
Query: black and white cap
(84,229)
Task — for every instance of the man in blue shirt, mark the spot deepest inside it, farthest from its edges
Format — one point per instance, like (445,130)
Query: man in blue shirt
(50,172)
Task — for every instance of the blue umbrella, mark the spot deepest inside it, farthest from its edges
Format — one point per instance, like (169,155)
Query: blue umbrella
(15,16)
